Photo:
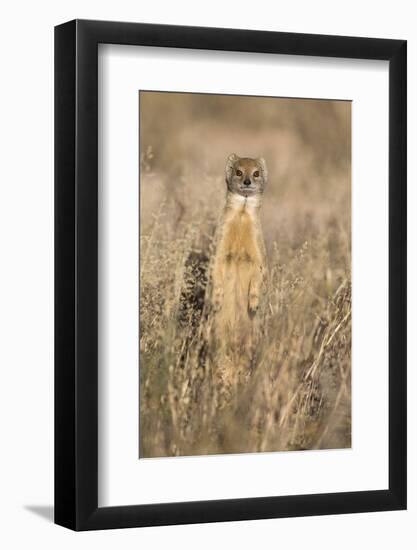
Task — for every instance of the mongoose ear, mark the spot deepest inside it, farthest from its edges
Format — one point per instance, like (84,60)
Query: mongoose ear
(264,169)
(231,159)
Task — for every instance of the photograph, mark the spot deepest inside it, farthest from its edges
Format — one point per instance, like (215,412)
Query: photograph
(245,295)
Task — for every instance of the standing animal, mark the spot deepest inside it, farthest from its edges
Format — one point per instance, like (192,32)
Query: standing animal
(239,265)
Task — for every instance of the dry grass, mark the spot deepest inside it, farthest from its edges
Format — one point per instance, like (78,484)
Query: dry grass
(298,395)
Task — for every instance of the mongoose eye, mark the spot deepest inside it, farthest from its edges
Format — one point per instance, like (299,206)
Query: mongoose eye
(238,172)
(256,174)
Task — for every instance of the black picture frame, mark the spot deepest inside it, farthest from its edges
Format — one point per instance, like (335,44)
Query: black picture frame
(76,272)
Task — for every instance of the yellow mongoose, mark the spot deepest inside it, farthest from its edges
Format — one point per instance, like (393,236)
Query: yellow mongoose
(239,263)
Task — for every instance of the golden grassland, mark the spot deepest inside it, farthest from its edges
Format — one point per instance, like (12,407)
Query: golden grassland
(298,395)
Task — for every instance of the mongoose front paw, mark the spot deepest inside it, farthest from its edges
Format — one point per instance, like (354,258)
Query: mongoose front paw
(217,299)
(253,305)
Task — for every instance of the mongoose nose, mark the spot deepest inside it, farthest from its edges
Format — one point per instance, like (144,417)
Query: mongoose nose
(247,182)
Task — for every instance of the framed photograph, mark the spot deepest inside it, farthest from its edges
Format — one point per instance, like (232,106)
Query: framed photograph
(230,285)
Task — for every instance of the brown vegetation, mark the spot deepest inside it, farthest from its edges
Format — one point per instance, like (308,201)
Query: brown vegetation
(298,394)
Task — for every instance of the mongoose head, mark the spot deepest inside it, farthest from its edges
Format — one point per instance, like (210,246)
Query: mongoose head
(246,176)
